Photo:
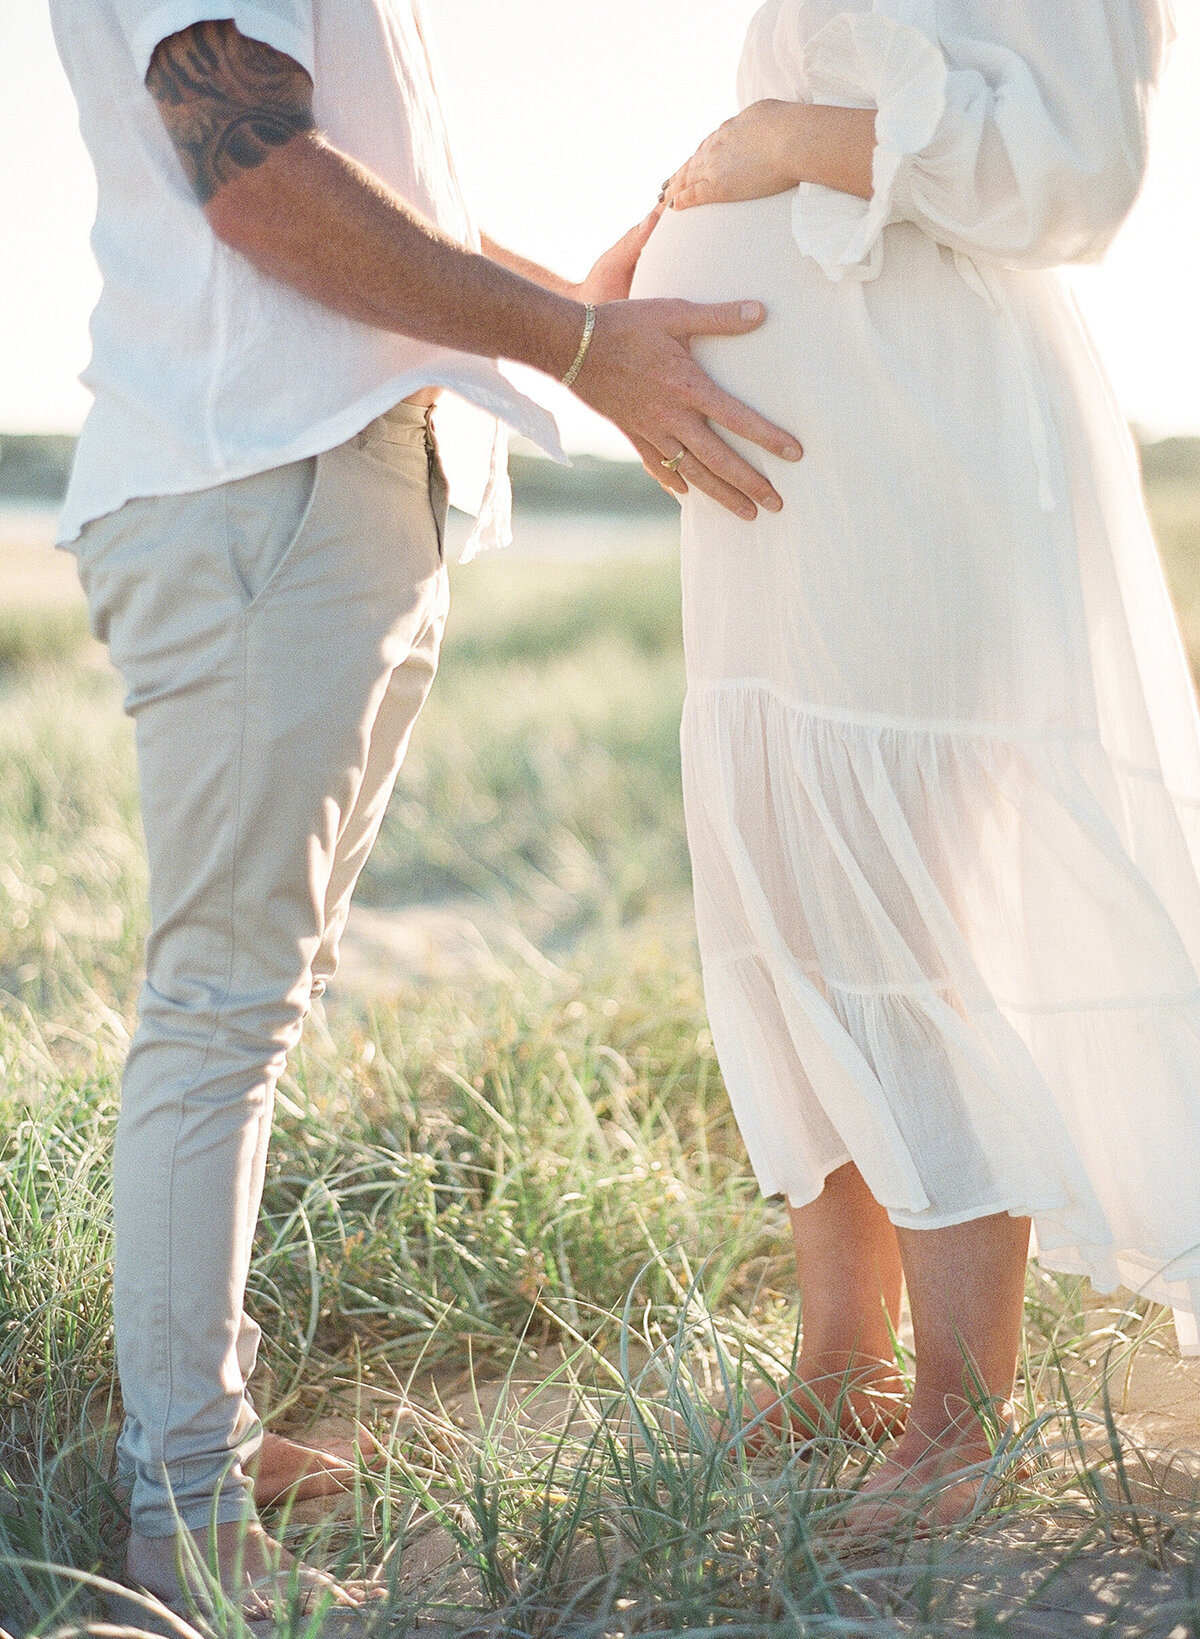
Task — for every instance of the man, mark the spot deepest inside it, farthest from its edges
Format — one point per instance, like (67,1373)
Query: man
(291,279)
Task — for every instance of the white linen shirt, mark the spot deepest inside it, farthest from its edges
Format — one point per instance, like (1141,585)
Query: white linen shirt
(206,370)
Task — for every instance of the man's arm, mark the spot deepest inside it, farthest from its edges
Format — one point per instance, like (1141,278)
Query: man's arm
(610,280)
(533,271)
(275,189)
(240,116)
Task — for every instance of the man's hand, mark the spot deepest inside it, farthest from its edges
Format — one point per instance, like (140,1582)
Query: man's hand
(277,191)
(640,373)
(609,281)
(639,340)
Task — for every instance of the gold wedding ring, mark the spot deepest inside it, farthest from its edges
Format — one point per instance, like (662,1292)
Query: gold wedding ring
(673,466)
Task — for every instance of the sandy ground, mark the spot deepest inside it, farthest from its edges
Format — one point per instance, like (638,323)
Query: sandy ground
(1030,1570)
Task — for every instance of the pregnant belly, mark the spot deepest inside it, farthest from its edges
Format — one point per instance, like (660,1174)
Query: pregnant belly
(723,253)
(844,363)
(916,502)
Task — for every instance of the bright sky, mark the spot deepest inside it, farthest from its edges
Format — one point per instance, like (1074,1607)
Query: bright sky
(567,117)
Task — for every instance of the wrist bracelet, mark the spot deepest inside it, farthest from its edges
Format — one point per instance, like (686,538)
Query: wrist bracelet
(589,330)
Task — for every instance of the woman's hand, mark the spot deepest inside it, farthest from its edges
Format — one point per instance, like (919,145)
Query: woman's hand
(771,147)
(611,278)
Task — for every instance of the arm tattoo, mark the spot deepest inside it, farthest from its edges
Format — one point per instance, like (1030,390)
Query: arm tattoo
(226,101)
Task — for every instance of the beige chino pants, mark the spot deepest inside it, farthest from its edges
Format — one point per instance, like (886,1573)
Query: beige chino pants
(278,636)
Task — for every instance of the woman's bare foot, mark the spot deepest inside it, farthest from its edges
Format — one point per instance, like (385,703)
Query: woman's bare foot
(284,1470)
(256,1573)
(865,1402)
(926,1484)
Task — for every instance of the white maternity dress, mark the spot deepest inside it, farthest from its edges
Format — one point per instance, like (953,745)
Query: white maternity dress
(941,750)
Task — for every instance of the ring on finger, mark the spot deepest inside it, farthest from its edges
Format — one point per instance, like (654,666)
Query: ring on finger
(674,465)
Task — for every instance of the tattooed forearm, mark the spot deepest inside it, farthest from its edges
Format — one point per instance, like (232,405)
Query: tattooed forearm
(226,101)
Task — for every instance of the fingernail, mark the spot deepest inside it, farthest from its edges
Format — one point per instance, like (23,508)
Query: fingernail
(792,452)
(749,513)
(773,504)
(752,310)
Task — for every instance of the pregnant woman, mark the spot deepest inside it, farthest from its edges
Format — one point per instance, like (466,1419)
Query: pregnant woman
(942,758)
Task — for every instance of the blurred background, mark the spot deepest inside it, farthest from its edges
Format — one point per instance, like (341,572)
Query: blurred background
(560,815)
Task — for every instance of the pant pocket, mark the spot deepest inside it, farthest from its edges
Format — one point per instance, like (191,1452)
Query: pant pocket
(439,496)
(404,442)
(265,516)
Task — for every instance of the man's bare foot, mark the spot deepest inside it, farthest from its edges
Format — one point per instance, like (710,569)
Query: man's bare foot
(256,1573)
(866,1405)
(284,1470)
(925,1485)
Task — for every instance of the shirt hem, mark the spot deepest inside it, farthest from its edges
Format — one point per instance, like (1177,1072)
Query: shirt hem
(537,425)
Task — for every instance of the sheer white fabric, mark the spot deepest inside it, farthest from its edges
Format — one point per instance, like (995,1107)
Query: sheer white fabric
(941,751)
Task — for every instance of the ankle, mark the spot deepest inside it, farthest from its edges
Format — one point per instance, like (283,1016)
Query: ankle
(852,1367)
(949,1425)
(231,1541)
(867,1396)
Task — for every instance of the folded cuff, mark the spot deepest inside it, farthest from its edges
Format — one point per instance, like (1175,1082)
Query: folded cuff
(867,60)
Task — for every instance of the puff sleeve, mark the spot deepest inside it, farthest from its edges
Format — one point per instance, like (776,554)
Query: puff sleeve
(1025,152)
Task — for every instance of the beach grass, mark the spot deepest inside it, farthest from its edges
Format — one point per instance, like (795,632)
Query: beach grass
(515,1203)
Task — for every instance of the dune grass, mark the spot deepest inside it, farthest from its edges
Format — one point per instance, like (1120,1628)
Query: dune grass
(33,637)
(545,772)
(533,1180)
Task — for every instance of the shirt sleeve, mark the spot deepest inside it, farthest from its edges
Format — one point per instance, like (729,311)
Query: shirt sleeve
(286,25)
(1024,155)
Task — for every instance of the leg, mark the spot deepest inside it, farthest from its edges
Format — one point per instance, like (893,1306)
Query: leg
(966,1287)
(848,1263)
(257,672)
(283,1468)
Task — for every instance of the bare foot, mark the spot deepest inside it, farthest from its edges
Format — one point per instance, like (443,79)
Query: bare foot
(256,1573)
(283,1469)
(299,1473)
(867,1405)
(925,1485)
